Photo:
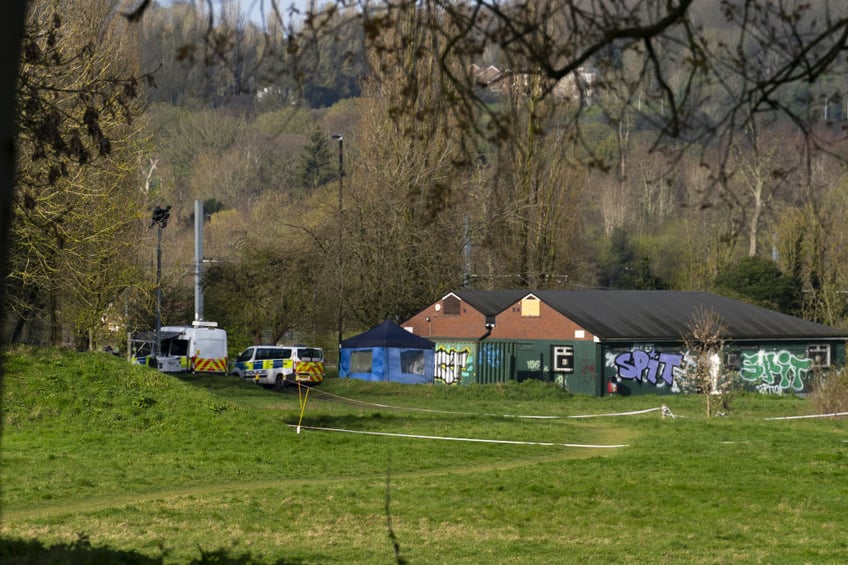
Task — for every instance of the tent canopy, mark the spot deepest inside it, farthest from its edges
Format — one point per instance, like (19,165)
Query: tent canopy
(388,334)
(388,353)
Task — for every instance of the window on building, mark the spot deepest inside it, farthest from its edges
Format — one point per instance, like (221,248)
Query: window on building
(450,306)
(530,308)
(733,361)
(820,355)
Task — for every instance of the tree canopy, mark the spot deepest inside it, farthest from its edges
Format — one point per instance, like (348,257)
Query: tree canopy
(625,143)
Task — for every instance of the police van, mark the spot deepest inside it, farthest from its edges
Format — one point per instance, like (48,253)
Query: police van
(198,348)
(279,365)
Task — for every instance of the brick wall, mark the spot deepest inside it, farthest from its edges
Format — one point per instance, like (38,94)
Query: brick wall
(431,323)
(549,325)
(509,324)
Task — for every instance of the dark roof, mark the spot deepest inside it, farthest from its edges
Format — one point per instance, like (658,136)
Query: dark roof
(388,334)
(637,315)
(491,302)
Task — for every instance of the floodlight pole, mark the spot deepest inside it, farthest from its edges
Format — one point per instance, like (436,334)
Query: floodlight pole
(160,220)
(158,290)
(337,137)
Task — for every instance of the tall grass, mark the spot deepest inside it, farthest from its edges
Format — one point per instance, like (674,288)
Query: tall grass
(830,392)
(102,461)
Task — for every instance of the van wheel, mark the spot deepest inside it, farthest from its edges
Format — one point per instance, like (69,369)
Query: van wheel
(279,383)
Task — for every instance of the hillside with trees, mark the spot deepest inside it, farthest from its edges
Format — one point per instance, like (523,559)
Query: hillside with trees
(640,179)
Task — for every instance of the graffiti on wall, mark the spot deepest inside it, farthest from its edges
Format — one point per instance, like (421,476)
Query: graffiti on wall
(655,367)
(770,372)
(773,372)
(491,356)
(452,363)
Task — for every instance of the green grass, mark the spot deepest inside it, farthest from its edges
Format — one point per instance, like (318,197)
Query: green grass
(106,462)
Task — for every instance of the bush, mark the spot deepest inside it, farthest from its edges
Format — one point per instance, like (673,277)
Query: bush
(830,392)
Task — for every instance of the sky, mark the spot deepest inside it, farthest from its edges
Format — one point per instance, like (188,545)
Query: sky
(254,8)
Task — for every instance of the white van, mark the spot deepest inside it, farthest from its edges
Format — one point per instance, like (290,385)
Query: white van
(277,365)
(199,348)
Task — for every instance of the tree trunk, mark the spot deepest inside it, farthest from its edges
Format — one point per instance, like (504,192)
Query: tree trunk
(12,18)
(754,228)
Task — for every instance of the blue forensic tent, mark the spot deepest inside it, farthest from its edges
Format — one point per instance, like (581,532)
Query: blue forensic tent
(388,353)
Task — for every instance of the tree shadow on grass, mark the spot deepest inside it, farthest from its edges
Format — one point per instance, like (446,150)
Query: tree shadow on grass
(81,552)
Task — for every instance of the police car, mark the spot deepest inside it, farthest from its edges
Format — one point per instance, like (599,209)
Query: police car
(278,365)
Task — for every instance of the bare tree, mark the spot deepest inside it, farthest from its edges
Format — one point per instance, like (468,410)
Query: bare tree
(706,374)
(688,84)
(76,206)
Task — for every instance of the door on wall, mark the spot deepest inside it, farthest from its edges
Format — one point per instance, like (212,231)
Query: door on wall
(496,362)
(531,362)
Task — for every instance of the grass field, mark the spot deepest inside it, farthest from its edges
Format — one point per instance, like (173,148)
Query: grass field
(105,462)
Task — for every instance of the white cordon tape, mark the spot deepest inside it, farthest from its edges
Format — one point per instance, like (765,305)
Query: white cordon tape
(835,414)
(635,413)
(518,416)
(466,439)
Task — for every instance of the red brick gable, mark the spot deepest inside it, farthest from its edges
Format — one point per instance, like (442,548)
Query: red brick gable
(433,323)
(549,325)
(470,324)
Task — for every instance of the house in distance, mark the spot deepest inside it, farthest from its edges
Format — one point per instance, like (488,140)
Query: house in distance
(624,342)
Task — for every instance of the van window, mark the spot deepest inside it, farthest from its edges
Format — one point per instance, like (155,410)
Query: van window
(264,353)
(178,347)
(311,354)
(245,355)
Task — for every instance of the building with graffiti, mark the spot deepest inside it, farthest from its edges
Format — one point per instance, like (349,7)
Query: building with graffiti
(619,342)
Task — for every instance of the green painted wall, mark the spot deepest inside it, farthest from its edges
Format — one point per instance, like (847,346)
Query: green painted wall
(768,367)
(628,369)
(586,378)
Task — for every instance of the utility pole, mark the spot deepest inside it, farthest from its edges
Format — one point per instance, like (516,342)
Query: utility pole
(160,220)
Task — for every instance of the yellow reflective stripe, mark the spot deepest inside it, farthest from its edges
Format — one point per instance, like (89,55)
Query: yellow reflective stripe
(211,365)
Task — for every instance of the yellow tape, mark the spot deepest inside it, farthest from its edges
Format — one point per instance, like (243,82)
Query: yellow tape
(302,404)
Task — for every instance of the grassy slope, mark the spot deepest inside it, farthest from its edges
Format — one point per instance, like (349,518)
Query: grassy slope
(178,469)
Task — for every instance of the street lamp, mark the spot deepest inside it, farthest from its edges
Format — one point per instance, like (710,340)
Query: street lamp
(340,139)
(160,220)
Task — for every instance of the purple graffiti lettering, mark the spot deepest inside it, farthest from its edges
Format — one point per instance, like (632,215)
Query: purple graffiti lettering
(669,362)
(631,364)
(653,367)
(648,366)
